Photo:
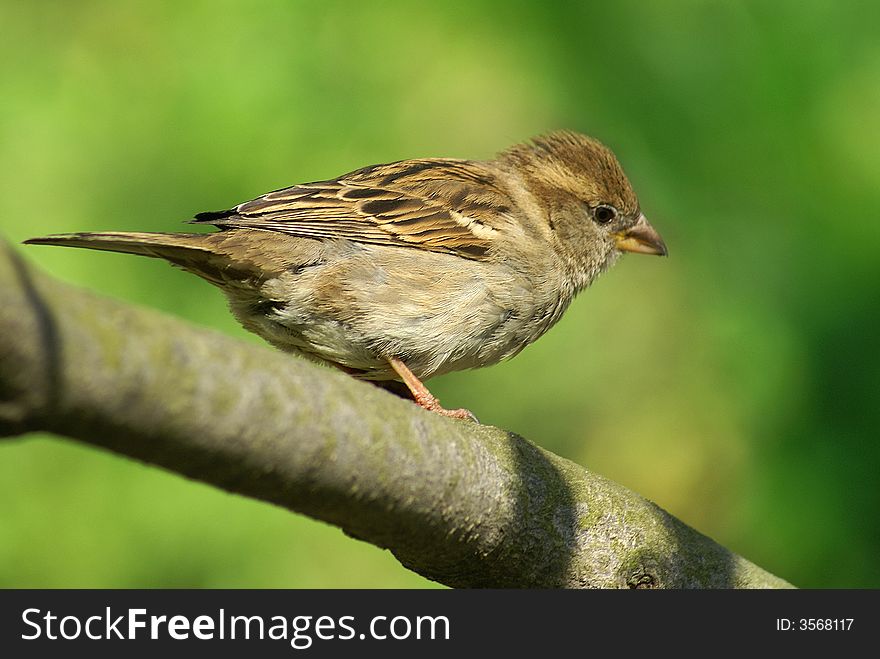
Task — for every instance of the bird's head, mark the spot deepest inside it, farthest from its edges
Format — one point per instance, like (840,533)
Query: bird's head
(592,212)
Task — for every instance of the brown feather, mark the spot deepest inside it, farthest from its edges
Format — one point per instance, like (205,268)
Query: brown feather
(431,204)
(218,258)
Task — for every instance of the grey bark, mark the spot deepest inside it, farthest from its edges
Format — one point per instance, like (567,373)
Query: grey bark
(463,504)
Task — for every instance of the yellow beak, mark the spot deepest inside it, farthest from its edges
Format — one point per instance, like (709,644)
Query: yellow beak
(641,238)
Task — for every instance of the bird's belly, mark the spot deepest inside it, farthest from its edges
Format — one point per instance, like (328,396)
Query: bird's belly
(436,319)
(429,341)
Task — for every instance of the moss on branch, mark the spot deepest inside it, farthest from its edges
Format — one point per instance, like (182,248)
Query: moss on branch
(463,504)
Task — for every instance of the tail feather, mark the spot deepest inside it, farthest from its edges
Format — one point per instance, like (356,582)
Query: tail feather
(195,252)
(157,245)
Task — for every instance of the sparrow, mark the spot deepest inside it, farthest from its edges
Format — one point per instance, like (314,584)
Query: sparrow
(406,270)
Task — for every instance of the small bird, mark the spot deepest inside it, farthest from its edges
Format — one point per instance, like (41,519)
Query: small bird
(406,270)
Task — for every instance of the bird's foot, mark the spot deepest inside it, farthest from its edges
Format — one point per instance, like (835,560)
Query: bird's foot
(422,396)
(434,405)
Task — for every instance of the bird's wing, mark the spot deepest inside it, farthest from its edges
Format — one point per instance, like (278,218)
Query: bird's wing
(439,205)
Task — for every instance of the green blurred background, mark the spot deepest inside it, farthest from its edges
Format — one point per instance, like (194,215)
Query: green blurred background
(734,383)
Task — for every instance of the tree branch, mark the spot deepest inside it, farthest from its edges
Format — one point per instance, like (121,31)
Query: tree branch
(460,503)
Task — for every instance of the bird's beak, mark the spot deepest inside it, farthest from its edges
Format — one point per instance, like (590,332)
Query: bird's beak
(641,238)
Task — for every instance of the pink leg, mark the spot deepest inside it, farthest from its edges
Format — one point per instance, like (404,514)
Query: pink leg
(422,396)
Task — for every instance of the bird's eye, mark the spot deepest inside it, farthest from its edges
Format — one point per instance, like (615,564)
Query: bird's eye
(604,214)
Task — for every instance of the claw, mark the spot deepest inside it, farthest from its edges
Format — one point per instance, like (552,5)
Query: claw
(422,396)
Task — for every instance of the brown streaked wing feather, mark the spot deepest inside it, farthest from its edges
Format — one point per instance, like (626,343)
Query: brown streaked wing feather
(449,206)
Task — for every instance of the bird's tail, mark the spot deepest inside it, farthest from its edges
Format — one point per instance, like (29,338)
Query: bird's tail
(195,252)
(157,245)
